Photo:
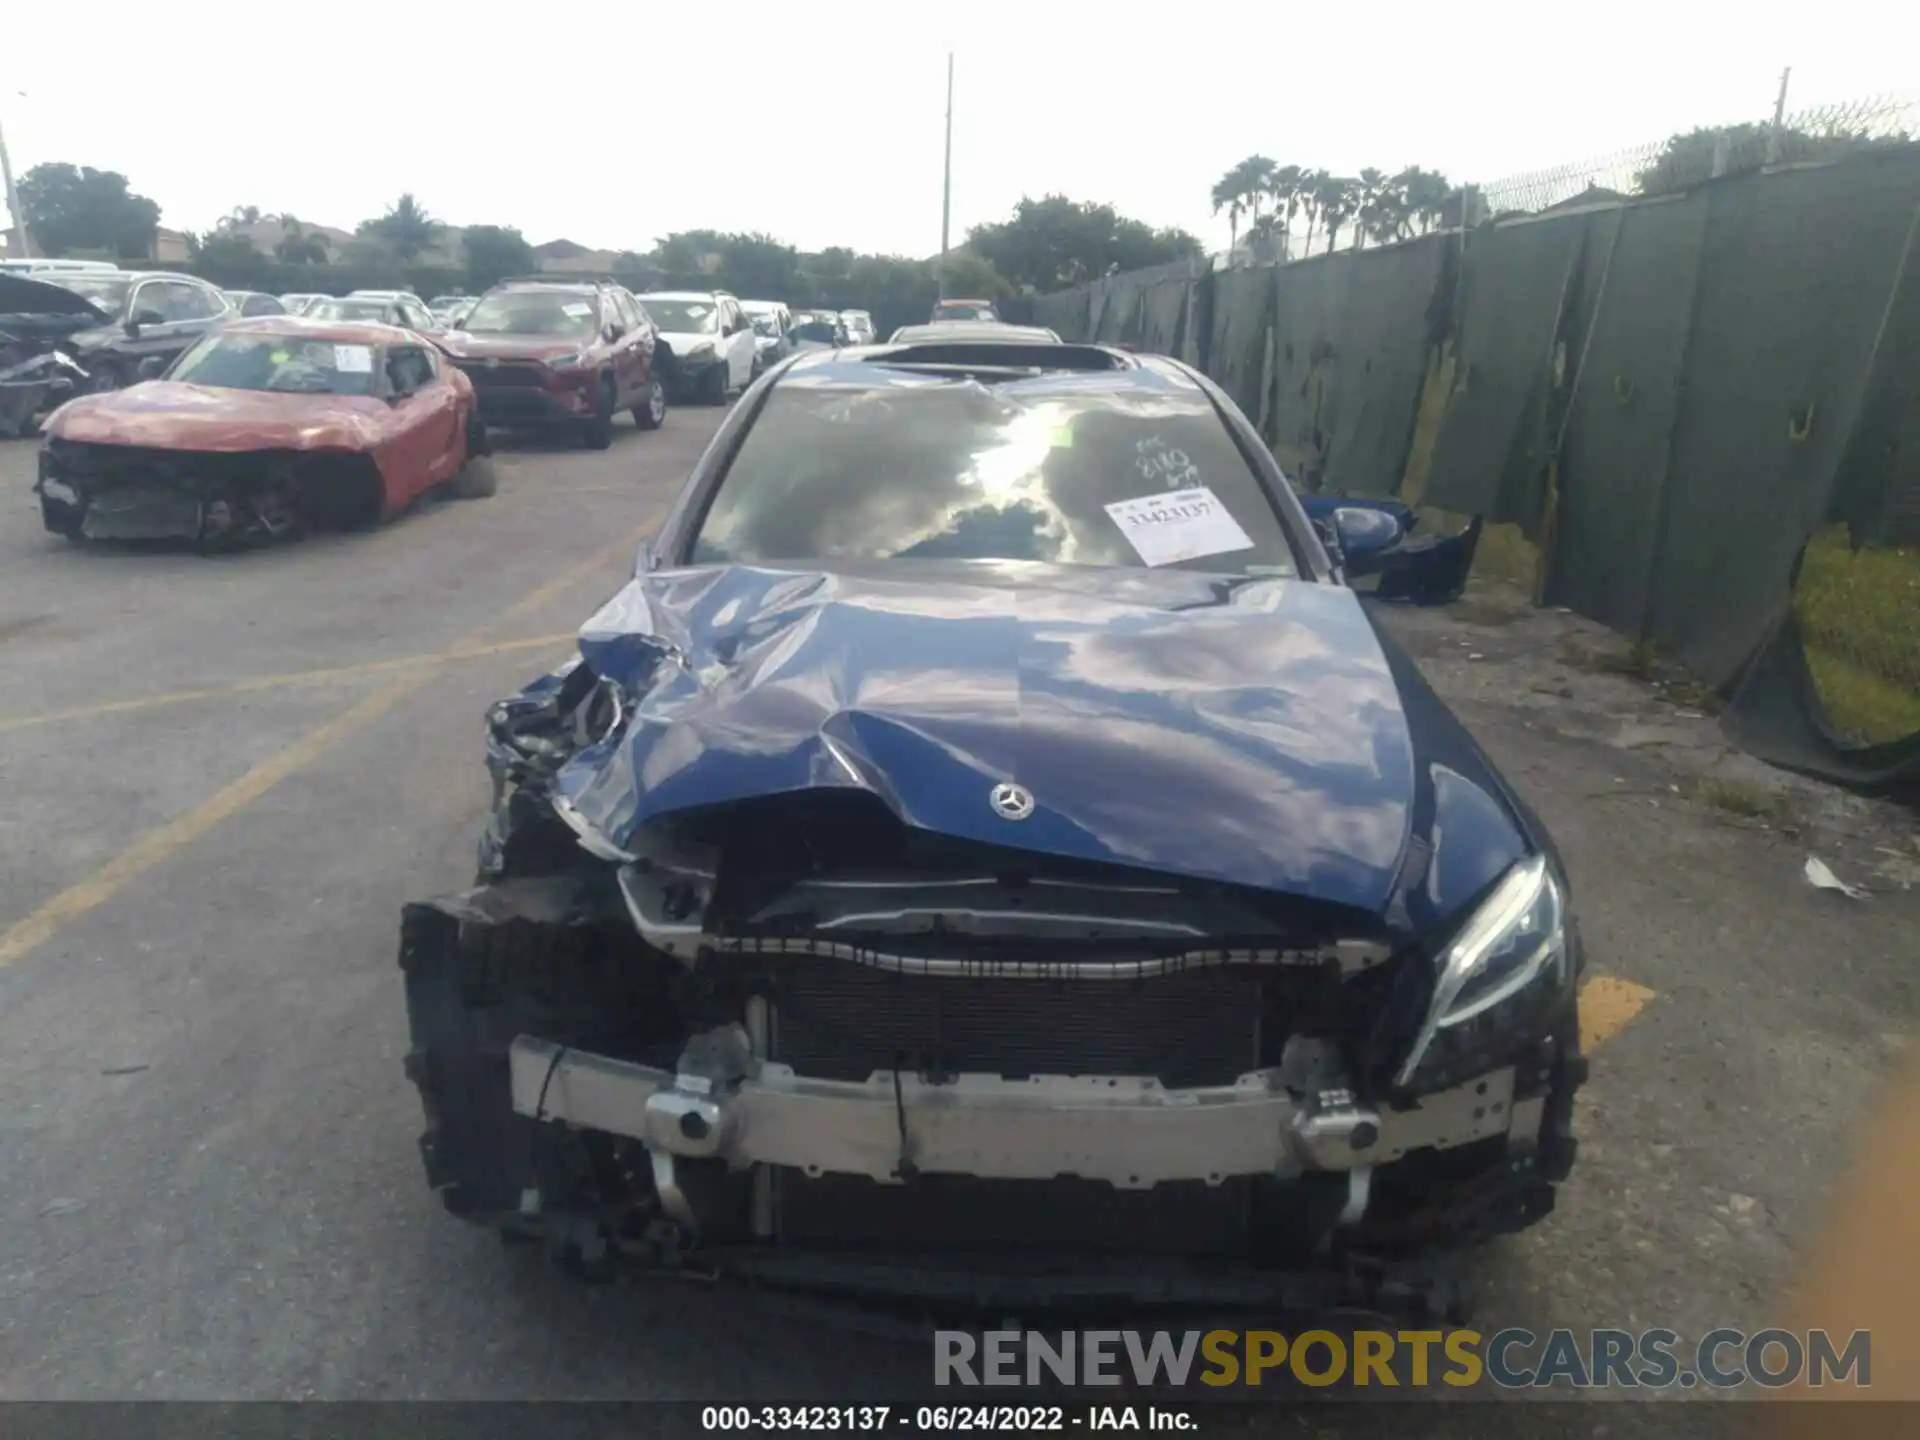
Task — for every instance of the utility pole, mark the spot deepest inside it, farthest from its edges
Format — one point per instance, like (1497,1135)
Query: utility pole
(946,184)
(1779,118)
(13,202)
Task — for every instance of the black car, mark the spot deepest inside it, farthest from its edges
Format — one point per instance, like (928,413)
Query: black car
(989,853)
(111,322)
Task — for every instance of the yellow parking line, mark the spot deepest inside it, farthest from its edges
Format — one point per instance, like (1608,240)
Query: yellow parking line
(157,845)
(275,682)
(1607,1006)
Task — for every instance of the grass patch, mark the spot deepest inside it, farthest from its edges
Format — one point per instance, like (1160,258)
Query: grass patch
(1868,707)
(1504,553)
(1860,614)
(1737,797)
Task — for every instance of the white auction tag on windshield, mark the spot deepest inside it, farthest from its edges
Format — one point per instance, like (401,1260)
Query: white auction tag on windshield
(698,312)
(353,359)
(576,308)
(1178,525)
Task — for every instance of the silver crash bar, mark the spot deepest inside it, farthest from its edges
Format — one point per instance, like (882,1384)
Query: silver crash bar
(1131,1132)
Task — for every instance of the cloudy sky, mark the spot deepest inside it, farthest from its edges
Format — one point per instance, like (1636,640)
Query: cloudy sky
(821,123)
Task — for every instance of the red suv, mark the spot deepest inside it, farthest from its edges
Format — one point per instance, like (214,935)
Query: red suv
(546,352)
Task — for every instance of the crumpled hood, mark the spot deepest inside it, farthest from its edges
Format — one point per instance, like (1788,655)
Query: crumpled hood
(1250,732)
(463,346)
(24,295)
(166,414)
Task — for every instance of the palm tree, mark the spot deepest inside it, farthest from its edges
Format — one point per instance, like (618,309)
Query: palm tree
(1226,197)
(238,216)
(1384,211)
(406,227)
(300,246)
(1283,188)
(1338,199)
(1243,190)
(1309,191)
(1424,193)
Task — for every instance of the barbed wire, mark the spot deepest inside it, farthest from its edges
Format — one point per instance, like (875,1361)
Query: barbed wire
(1820,133)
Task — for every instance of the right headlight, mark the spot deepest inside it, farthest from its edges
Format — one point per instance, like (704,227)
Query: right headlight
(1498,978)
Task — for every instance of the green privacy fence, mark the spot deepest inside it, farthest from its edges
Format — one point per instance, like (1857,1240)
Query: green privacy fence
(1670,396)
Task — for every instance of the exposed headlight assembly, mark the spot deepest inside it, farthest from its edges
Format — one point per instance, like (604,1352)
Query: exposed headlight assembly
(1499,976)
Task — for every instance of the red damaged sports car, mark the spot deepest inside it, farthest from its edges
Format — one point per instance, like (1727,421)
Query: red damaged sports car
(264,429)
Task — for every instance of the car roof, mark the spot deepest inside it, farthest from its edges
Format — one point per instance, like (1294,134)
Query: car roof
(686,295)
(345,332)
(950,330)
(763,307)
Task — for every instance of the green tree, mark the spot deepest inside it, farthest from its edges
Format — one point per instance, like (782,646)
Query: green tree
(238,216)
(406,228)
(75,207)
(690,252)
(1054,242)
(1338,197)
(757,266)
(493,252)
(1424,194)
(1308,188)
(974,277)
(227,258)
(1243,191)
(298,245)
(1688,159)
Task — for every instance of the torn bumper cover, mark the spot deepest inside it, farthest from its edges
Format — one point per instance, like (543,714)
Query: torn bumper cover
(128,492)
(1130,1132)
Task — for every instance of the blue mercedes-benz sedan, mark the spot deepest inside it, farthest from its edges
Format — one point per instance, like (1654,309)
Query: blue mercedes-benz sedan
(989,851)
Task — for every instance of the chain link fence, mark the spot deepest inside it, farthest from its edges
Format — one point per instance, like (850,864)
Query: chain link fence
(1821,133)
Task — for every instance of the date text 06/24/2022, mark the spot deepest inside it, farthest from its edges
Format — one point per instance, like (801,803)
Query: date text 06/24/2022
(942,1419)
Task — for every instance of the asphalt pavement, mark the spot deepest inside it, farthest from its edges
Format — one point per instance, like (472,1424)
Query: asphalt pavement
(223,776)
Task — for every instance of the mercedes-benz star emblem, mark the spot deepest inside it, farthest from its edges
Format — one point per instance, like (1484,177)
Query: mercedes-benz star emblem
(1011,802)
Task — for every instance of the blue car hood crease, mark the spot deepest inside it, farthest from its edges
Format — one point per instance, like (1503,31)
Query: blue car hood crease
(1250,732)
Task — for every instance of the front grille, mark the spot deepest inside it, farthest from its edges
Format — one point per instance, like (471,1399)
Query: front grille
(504,376)
(840,1020)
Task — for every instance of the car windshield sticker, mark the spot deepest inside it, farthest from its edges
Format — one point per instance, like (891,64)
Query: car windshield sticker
(576,308)
(279,357)
(1060,437)
(1178,525)
(1158,461)
(698,312)
(353,359)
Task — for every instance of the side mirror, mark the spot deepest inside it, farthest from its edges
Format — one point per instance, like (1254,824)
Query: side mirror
(152,368)
(1364,533)
(144,317)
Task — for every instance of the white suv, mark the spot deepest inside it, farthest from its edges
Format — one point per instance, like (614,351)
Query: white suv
(710,338)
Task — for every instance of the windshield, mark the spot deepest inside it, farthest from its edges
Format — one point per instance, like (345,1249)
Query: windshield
(950,310)
(373,310)
(816,330)
(109,292)
(532,312)
(954,470)
(681,317)
(277,362)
